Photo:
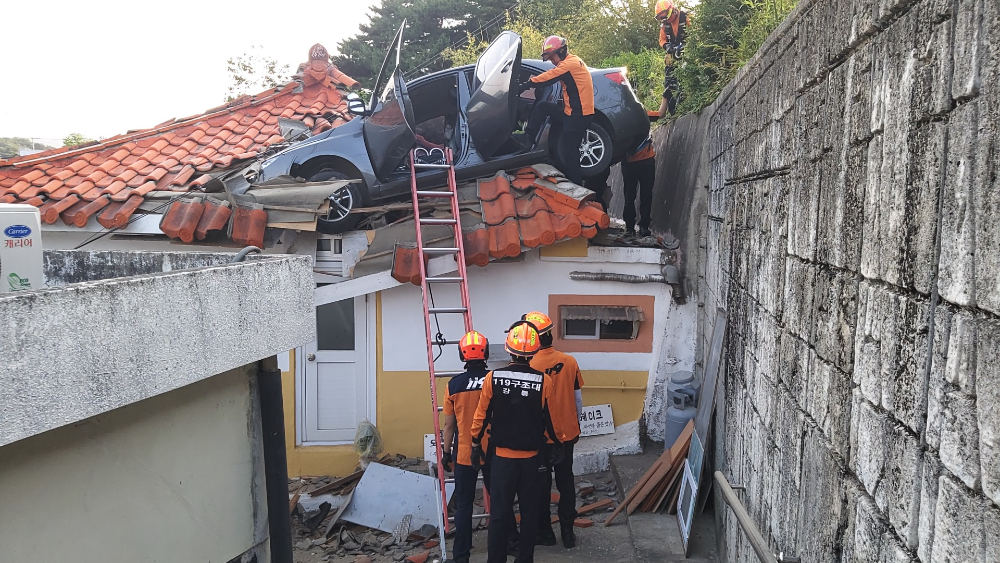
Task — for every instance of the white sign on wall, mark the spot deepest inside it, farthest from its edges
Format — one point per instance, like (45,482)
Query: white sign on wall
(429,446)
(597,420)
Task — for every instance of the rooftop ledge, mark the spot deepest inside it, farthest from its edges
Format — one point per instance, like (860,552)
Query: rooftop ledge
(116,327)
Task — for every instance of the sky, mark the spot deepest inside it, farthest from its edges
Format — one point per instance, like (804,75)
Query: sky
(102,67)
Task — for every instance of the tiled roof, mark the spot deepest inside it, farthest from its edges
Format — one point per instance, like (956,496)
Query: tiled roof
(535,207)
(111,178)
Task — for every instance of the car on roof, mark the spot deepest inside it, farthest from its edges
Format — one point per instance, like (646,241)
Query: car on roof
(473,110)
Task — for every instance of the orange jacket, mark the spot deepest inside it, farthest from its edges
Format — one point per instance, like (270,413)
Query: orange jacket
(566,379)
(462,401)
(677,30)
(578,86)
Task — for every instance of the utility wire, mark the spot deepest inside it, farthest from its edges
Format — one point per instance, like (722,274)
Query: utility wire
(462,42)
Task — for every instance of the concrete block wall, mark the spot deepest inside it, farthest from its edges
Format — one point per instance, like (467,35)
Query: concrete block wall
(853,237)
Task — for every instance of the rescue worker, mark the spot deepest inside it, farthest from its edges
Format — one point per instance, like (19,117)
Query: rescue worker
(673,29)
(577,111)
(460,403)
(514,405)
(639,171)
(565,407)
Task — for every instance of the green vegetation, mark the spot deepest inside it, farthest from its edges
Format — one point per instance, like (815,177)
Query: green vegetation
(11,146)
(254,72)
(74,139)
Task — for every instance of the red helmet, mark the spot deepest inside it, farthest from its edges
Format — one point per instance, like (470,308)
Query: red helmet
(554,45)
(522,340)
(473,346)
(665,10)
(541,321)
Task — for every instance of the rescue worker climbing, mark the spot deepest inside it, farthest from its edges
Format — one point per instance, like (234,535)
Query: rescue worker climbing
(565,407)
(673,29)
(460,403)
(514,404)
(577,111)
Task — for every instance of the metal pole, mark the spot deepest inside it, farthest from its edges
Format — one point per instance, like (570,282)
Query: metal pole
(757,540)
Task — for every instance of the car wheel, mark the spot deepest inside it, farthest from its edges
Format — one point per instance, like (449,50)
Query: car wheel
(596,151)
(339,219)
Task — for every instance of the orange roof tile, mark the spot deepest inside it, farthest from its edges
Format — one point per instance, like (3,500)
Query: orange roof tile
(112,176)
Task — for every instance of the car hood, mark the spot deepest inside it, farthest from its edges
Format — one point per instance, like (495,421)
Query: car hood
(280,164)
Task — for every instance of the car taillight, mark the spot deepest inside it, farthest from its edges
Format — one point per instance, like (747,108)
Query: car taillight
(616,76)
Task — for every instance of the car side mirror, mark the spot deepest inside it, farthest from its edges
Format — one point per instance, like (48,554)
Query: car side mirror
(356,105)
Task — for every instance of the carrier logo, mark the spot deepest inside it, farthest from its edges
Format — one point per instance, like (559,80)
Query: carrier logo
(17,231)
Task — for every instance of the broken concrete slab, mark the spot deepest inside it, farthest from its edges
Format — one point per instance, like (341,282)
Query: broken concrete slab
(411,493)
(593,453)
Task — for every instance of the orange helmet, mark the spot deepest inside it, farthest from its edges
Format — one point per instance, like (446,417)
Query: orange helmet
(665,10)
(554,44)
(522,339)
(541,321)
(473,346)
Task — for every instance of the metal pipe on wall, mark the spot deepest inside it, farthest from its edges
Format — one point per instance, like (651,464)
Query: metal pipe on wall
(614,277)
(757,541)
(272,422)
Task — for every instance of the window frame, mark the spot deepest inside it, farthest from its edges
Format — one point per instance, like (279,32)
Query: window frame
(642,343)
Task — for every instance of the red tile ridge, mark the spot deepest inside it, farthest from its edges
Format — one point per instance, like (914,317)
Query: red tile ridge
(83,215)
(51,214)
(116,215)
(505,240)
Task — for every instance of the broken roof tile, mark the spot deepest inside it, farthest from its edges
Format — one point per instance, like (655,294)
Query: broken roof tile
(181,219)
(505,240)
(566,226)
(82,215)
(249,226)
(214,218)
(477,246)
(537,230)
(405,265)
(117,215)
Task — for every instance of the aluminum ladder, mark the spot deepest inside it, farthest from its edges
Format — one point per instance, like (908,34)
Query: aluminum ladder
(462,281)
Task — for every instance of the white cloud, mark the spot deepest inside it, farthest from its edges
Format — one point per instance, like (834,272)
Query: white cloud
(101,68)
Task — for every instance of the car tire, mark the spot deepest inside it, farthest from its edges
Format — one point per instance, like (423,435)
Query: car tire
(596,151)
(339,219)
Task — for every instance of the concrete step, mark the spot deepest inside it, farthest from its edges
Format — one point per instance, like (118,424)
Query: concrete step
(656,536)
(593,454)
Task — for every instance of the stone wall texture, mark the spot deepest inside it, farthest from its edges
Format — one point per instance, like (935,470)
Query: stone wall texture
(853,237)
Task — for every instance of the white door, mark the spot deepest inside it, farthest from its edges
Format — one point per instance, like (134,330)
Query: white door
(336,389)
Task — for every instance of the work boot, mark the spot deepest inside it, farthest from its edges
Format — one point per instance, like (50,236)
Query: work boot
(568,537)
(512,547)
(546,536)
(644,232)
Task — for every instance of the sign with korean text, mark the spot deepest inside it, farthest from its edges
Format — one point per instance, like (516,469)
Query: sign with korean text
(597,420)
(429,445)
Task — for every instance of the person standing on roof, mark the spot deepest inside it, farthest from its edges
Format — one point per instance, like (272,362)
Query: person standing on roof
(460,403)
(639,171)
(565,407)
(577,111)
(514,404)
(673,29)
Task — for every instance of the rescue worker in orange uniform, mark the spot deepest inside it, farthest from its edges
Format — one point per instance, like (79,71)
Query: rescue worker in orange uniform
(673,29)
(565,407)
(460,403)
(514,405)
(577,111)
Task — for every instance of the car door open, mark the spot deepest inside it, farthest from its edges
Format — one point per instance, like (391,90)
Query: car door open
(492,110)
(389,130)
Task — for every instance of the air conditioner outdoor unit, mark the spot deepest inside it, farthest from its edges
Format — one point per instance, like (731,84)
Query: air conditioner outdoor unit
(20,248)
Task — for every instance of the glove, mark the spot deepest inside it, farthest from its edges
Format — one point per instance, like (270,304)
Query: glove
(477,456)
(446,461)
(557,453)
(524,86)
(677,50)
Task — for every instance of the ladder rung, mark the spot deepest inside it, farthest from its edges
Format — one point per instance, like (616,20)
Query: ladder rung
(440,250)
(434,194)
(474,517)
(438,221)
(428,166)
(447,310)
(445,280)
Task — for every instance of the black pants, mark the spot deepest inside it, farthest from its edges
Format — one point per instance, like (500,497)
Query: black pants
(565,486)
(670,88)
(641,173)
(572,129)
(510,478)
(599,185)
(465,495)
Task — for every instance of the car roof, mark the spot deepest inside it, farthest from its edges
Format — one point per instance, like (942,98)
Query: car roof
(537,64)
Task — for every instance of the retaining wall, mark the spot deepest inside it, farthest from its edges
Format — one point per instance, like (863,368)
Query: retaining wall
(852,237)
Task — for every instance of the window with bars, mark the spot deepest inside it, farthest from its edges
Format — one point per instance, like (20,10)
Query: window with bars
(600,322)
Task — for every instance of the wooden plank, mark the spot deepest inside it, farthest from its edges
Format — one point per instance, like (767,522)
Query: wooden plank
(671,492)
(677,453)
(338,484)
(294,500)
(635,490)
(587,509)
(651,483)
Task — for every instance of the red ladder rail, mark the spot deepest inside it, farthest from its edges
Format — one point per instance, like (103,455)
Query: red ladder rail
(461,280)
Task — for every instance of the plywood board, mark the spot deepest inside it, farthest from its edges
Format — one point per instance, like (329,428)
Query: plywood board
(410,493)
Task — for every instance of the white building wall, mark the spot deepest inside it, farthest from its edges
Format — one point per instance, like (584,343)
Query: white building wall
(503,291)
